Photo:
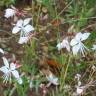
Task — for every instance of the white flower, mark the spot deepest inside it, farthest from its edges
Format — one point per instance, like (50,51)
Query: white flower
(24,28)
(9,13)
(78,76)
(1,51)
(77,45)
(9,70)
(52,79)
(64,44)
(94,47)
(79,90)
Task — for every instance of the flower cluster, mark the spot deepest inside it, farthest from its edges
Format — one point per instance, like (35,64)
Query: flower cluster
(80,88)
(21,26)
(25,29)
(76,44)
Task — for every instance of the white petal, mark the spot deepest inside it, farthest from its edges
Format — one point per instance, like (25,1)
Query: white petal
(9,12)
(50,76)
(4,69)
(15,74)
(73,42)
(76,49)
(64,42)
(28,28)
(16,30)
(59,46)
(19,23)
(23,40)
(26,21)
(66,45)
(19,80)
(78,36)
(55,81)
(1,51)
(85,36)
(6,63)
(79,90)
(12,66)
(68,48)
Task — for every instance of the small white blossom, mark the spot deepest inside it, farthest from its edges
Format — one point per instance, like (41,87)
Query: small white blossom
(12,11)
(9,13)
(77,45)
(52,79)
(10,70)
(94,47)
(79,90)
(24,28)
(78,76)
(64,44)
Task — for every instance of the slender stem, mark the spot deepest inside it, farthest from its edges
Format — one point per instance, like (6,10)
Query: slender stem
(66,70)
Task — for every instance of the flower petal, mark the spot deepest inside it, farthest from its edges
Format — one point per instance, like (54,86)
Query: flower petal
(55,81)
(28,28)
(19,23)
(79,90)
(66,45)
(15,73)
(85,36)
(4,69)
(75,49)
(16,30)
(26,21)
(12,66)
(59,46)
(6,63)
(23,40)
(78,36)
(73,42)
